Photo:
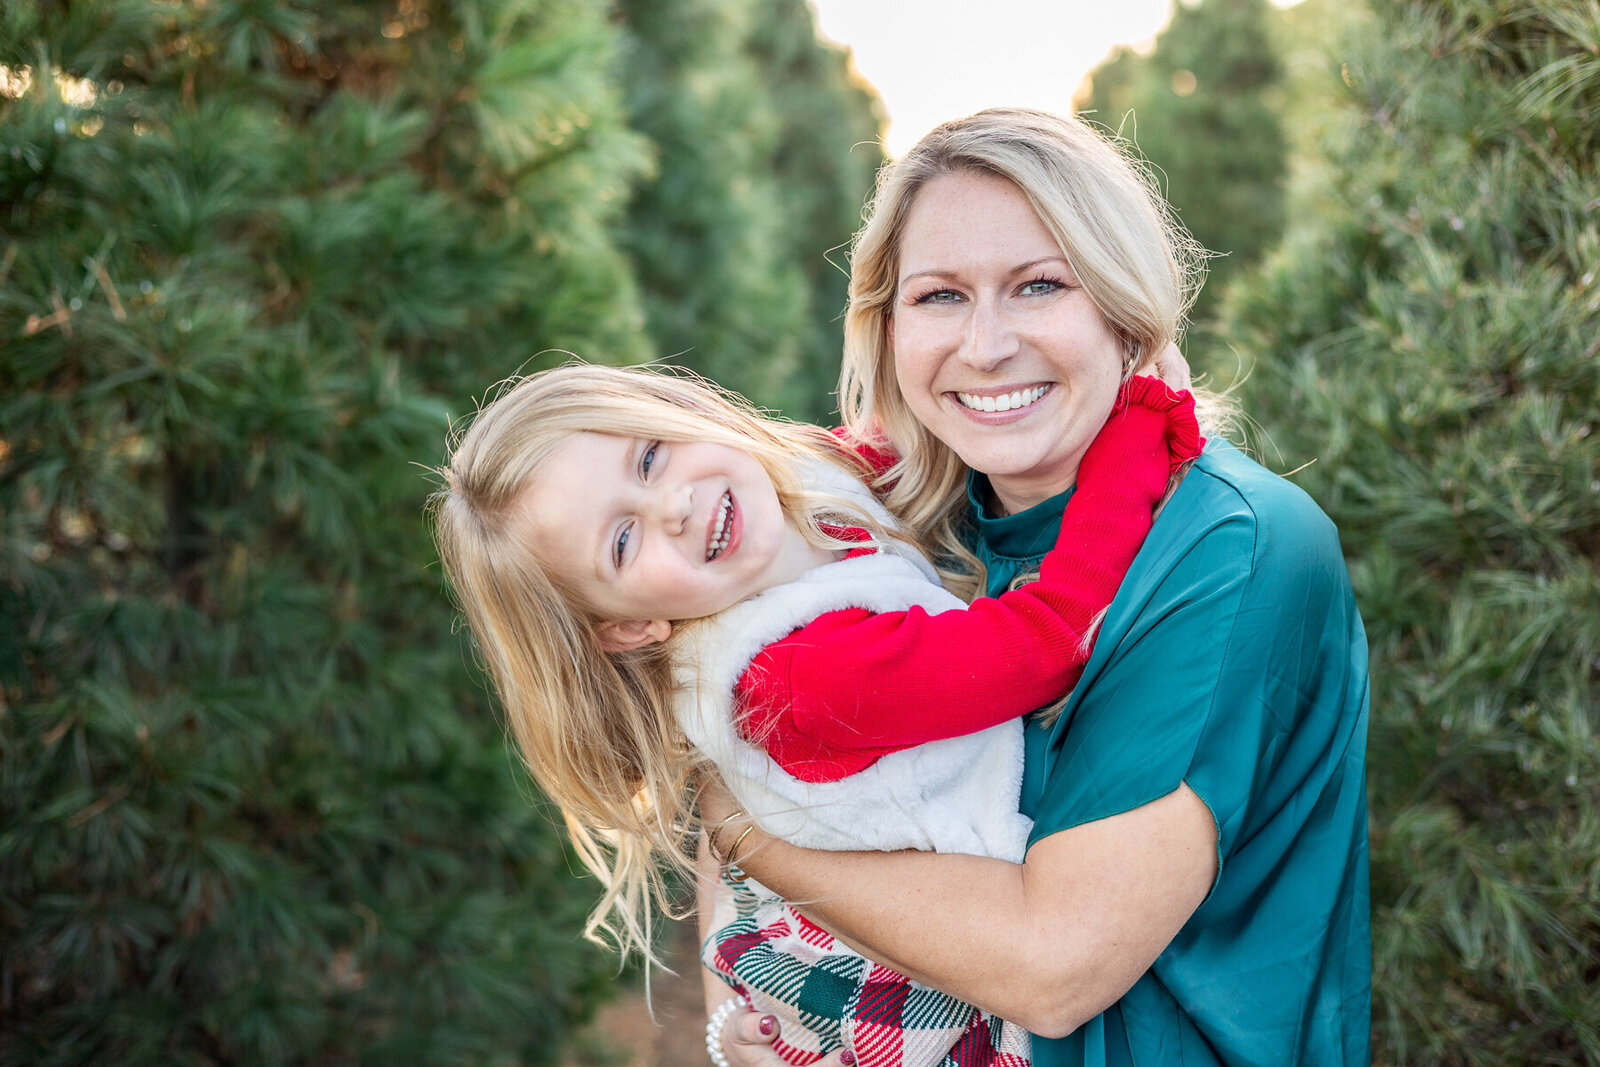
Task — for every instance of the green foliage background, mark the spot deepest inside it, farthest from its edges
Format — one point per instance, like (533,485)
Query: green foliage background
(766,151)
(257,808)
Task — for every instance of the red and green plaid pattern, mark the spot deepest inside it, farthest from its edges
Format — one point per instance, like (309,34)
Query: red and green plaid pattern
(826,995)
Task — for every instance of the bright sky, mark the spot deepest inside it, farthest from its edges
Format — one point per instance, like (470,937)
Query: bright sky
(933,60)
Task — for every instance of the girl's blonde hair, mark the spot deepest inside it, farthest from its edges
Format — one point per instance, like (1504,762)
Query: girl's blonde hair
(1134,260)
(597,729)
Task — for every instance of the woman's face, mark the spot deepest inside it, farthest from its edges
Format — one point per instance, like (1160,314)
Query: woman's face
(998,350)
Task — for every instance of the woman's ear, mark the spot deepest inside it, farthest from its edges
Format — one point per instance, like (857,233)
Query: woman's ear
(625,635)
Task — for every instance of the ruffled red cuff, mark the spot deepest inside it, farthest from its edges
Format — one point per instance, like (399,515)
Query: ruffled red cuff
(1184,440)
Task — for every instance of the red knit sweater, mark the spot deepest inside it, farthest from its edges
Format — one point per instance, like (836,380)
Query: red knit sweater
(850,687)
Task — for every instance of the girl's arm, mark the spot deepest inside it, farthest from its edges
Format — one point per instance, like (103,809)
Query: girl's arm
(853,681)
(1047,944)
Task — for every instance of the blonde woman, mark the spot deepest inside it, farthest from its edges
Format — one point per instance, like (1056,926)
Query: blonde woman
(631,548)
(1195,885)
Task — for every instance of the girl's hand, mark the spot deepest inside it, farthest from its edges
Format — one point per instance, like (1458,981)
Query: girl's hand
(1172,368)
(747,1042)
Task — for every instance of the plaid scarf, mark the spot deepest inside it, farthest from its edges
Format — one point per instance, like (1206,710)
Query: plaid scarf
(826,995)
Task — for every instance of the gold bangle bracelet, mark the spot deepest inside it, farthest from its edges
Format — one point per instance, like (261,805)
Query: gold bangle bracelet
(734,851)
(711,833)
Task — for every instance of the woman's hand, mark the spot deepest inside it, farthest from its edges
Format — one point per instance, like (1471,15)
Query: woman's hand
(747,1042)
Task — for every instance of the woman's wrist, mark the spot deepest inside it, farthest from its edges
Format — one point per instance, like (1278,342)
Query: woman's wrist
(738,825)
(731,857)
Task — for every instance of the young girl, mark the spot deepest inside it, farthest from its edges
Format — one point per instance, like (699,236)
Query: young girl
(635,551)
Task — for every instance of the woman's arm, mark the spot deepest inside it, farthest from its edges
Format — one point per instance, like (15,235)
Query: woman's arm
(1047,944)
(706,888)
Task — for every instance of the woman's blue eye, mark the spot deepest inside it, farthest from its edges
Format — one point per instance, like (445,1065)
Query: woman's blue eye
(648,460)
(1040,286)
(622,545)
(938,296)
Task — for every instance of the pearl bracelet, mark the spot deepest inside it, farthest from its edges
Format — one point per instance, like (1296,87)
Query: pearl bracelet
(719,1019)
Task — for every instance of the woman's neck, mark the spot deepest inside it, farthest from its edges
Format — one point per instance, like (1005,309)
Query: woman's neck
(1008,495)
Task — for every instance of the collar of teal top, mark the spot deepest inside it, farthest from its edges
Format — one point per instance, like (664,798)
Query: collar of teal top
(1025,536)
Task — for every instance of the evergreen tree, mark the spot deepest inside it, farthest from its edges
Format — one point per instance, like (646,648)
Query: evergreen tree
(754,121)
(824,160)
(256,808)
(1427,344)
(1205,108)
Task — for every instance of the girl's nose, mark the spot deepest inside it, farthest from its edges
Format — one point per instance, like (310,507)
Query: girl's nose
(671,506)
(991,338)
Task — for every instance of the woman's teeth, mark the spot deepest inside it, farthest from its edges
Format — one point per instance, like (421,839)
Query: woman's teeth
(1005,402)
(721,531)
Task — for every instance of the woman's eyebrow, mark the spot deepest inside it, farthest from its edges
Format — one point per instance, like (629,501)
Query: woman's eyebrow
(931,272)
(942,272)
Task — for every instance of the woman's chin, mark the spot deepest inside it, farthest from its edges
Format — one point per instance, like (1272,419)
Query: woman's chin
(1024,461)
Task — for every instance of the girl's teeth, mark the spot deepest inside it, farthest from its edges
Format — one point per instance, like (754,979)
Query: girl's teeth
(720,533)
(1006,402)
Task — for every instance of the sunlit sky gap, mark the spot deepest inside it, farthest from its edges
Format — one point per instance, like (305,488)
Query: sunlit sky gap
(933,60)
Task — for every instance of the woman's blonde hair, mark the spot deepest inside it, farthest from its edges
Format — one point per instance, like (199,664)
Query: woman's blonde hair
(595,728)
(1135,262)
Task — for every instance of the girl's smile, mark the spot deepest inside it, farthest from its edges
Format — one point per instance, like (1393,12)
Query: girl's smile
(724,529)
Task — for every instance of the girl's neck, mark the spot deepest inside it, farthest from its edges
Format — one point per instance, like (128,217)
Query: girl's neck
(801,555)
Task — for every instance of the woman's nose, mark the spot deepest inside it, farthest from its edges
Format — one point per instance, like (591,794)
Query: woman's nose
(991,338)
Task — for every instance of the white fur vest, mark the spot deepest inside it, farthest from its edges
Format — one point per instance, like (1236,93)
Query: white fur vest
(955,795)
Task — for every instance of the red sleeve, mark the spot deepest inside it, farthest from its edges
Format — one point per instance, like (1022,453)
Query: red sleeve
(837,694)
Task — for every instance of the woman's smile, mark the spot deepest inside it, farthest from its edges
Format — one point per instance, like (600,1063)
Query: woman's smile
(1003,402)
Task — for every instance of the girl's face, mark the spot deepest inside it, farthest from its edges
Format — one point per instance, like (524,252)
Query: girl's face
(997,349)
(651,532)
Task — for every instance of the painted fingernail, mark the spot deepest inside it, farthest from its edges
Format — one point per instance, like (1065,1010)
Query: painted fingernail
(847,1058)
(767,1025)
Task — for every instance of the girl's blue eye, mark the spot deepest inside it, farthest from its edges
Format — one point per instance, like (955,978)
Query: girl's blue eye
(648,460)
(621,545)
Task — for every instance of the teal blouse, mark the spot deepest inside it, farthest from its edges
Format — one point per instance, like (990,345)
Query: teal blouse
(1232,659)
